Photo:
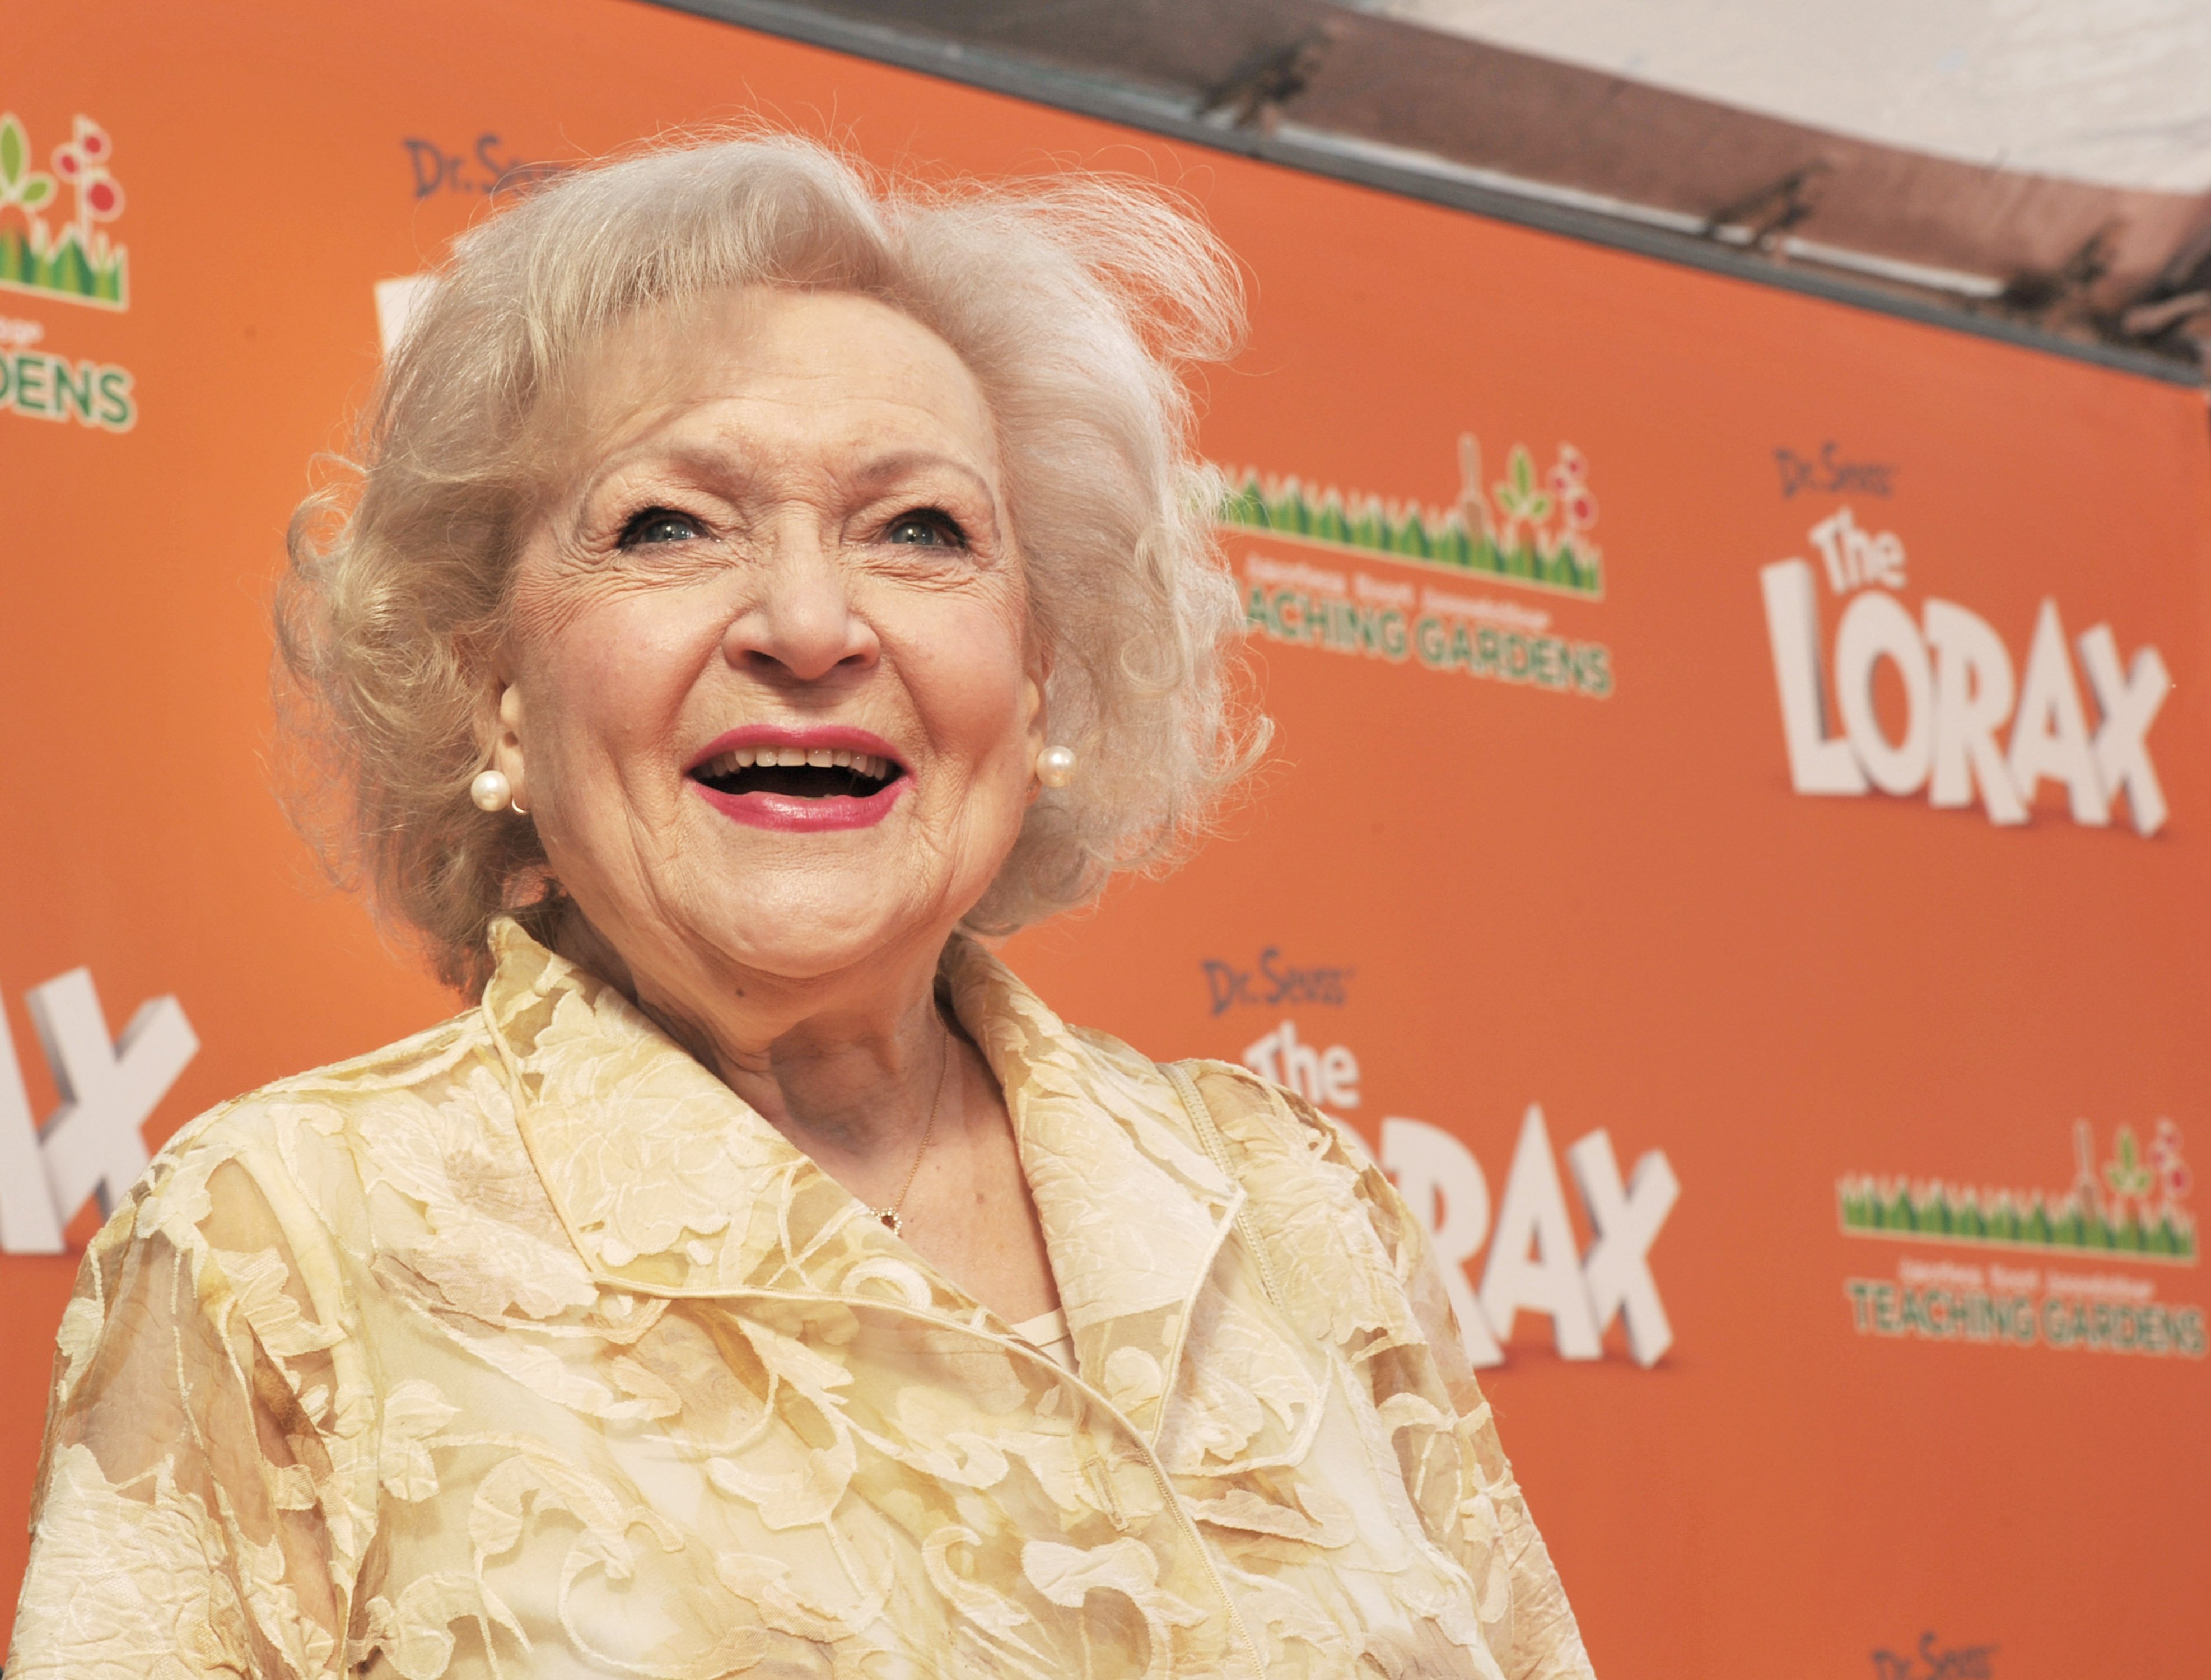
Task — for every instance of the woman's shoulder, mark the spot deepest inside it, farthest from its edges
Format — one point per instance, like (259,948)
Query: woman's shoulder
(1287,1153)
(315,1141)
(390,1180)
(421,1070)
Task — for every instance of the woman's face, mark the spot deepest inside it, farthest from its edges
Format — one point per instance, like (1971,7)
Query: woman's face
(770,697)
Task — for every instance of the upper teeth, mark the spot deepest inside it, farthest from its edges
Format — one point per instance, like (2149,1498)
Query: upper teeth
(819,758)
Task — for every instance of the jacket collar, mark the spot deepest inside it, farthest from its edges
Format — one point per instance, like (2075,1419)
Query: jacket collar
(669,1184)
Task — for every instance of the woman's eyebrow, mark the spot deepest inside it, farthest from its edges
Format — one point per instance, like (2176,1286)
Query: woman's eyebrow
(701,463)
(882,471)
(712,465)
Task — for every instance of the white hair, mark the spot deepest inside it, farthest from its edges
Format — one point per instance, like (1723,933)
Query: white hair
(1079,302)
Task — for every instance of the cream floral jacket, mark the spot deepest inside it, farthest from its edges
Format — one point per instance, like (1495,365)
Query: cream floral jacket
(524,1348)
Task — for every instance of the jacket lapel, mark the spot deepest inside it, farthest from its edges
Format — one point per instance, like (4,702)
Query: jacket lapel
(668,1184)
(1133,1212)
(665,1180)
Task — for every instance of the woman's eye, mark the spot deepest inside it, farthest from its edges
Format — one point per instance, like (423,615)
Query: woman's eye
(659,524)
(926,527)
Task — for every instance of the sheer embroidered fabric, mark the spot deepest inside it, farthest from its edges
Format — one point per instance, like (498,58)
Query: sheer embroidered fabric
(524,1348)
(1049,1334)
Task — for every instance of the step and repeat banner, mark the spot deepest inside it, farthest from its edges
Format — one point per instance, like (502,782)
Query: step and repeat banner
(1736,850)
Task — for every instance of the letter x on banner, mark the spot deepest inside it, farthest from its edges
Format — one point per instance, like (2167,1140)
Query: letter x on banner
(91,1146)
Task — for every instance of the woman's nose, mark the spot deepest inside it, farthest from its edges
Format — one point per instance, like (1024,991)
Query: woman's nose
(800,621)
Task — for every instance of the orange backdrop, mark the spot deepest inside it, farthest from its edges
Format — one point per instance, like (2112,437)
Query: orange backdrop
(1527,841)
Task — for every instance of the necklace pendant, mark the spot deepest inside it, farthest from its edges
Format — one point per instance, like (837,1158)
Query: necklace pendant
(889,1218)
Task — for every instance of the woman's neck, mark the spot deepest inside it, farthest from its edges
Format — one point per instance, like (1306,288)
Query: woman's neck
(847,1068)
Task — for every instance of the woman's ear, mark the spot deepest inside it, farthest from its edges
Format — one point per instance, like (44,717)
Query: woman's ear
(506,729)
(1036,683)
(1033,714)
(1033,723)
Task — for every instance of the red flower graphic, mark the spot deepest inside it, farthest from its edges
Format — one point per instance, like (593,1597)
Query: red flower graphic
(82,162)
(1569,482)
(2173,1176)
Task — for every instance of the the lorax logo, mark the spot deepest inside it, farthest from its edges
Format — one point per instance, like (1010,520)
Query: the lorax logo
(1961,691)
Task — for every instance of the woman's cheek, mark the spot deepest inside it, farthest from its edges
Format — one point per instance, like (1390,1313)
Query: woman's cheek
(965,673)
(622,672)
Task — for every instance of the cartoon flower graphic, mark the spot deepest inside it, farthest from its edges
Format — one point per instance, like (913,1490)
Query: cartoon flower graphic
(1569,482)
(2174,1177)
(82,162)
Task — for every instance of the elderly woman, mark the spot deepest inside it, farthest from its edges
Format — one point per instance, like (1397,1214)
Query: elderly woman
(760,583)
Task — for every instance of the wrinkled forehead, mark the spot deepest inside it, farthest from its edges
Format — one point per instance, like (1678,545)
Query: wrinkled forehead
(760,367)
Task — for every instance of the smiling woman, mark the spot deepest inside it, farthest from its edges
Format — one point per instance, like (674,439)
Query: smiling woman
(558,367)
(758,581)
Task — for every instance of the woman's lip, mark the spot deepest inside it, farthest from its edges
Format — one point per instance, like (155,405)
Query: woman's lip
(787,813)
(820,738)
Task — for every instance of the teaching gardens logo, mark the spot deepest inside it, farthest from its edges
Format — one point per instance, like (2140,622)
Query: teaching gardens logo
(1530,529)
(80,264)
(2043,1275)
(55,246)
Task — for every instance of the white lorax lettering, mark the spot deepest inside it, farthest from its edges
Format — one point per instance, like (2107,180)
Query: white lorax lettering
(2050,735)
(28,1224)
(1974,695)
(1875,627)
(1959,690)
(92,1145)
(1819,761)
(1617,1268)
(397,303)
(1548,1279)
(1327,1078)
(2130,701)
(1856,558)
(1445,1189)
(1442,1183)
(1339,1077)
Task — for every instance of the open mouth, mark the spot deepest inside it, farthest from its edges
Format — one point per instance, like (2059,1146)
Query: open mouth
(795,772)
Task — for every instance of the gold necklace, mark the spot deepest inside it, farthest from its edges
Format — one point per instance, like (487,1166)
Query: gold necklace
(891,1220)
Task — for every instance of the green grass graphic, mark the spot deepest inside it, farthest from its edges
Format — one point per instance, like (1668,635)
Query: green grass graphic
(1367,525)
(1936,1212)
(65,268)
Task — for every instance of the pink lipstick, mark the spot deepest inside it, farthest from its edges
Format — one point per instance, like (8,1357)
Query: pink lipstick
(800,780)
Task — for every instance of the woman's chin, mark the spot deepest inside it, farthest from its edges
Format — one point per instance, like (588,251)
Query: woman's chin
(819,926)
(807,904)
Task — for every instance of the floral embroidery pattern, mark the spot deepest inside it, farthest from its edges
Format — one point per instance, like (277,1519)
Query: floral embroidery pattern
(523,1346)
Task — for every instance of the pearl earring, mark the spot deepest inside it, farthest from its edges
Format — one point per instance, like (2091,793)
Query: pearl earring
(1054,766)
(491,790)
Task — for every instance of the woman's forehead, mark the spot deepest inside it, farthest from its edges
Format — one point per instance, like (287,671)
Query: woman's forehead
(820,368)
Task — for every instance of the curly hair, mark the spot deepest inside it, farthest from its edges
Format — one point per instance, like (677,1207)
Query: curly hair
(1080,303)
